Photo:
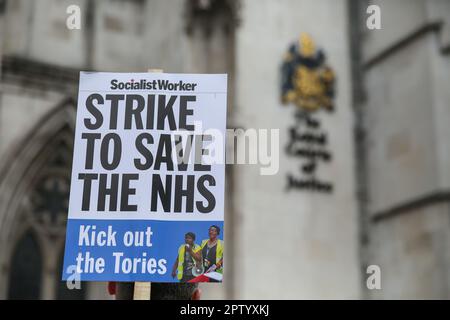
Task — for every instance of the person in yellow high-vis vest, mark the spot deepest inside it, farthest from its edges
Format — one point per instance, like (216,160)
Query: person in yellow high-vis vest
(212,250)
(188,255)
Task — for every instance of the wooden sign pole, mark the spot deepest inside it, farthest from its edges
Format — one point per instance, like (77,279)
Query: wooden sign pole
(142,290)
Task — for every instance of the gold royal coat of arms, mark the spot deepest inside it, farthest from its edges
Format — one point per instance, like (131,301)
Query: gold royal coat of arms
(306,80)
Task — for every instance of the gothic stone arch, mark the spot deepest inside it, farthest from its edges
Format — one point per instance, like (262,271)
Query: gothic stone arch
(39,163)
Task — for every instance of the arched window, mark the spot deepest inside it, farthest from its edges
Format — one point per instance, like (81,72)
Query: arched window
(25,277)
(34,203)
(44,209)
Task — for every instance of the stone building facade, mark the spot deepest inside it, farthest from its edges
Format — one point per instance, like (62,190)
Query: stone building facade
(402,106)
(387,137)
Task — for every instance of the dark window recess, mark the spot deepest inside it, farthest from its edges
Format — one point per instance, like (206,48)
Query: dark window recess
(26,269)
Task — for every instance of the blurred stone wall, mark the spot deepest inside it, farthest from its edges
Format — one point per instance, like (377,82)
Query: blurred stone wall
(405,117)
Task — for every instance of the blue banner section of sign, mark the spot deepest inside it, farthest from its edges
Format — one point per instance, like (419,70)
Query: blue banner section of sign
(128,250)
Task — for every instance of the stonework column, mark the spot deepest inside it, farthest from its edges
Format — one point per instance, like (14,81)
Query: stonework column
(294,244)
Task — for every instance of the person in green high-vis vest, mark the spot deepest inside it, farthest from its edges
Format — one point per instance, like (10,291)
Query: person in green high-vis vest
(212,250)
(189,254)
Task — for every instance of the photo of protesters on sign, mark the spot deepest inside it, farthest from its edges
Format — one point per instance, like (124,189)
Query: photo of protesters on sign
(188,259)
(147,178)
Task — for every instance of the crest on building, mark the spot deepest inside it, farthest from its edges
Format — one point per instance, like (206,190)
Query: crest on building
(306,80)
(308,83)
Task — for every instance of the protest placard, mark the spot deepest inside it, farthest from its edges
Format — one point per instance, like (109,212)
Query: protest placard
(147,189)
